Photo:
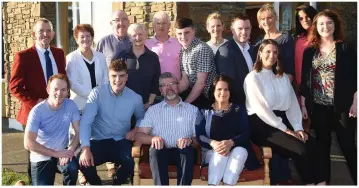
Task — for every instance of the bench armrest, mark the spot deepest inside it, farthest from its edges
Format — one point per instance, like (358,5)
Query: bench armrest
(136,150)
(267,155)
(267,152)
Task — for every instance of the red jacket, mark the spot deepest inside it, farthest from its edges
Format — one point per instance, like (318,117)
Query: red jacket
(27,82)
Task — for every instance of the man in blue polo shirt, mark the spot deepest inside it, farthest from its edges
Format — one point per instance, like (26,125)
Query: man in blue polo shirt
(46,135)
(105,134)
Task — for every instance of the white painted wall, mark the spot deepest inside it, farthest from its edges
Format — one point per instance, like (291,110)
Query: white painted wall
(101,18)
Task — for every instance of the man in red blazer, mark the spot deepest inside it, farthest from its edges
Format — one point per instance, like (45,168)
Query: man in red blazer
(29,72)
(32,68)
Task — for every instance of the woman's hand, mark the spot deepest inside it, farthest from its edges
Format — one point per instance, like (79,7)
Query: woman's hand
(292,133)
(302,135)
(223,147)
(354,107)
(304,112)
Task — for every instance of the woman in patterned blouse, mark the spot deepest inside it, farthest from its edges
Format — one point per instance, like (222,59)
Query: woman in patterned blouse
(328,87)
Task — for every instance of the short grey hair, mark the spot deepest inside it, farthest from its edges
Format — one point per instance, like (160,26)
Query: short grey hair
(167,75)
(133,27)
(43,20)
(161,15)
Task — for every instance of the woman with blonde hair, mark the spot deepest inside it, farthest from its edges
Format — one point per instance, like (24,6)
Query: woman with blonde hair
(215,27)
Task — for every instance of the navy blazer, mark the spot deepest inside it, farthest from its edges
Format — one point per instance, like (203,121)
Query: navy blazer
(230,61)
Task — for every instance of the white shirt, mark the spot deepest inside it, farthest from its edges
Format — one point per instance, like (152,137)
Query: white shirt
(215,47)
(266,92)
(246,55)
(41,52)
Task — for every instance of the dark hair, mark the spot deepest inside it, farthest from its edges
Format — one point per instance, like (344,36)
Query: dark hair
(240,16)
(83,27)
(277,68)
(183,23)
(224,78)
(167,75)
(118,65)
(310,12)
(60,77)
(314,38)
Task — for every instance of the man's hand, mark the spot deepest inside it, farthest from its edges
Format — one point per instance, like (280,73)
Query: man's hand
(157,142)
(183,142)
(64,154)
(64,161)
(354,107)
(131,135)
(302,135)
(86,158)
(304,112)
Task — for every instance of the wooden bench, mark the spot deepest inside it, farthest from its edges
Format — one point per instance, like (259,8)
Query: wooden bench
(143,174)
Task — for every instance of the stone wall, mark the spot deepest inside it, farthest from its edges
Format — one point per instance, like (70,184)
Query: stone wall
(142,12)
(348,12)
(18,20)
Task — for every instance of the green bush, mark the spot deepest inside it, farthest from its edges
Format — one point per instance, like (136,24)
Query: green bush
(10,177)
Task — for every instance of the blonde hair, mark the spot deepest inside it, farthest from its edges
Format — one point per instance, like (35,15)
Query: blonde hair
(133,27)
(161,15)
(266,7)
(215,15)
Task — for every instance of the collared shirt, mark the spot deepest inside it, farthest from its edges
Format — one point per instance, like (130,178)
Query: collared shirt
(111,46)
(198,57)
(41,52)
(108,115)
(143,73)
(168,53)
(246,55)
(171,122)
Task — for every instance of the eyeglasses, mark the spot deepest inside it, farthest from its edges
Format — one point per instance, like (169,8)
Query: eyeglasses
(169,84)
(119,19)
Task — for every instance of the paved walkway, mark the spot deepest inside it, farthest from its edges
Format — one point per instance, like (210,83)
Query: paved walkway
(14,157)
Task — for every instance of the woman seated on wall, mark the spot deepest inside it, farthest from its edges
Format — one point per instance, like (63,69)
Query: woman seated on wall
(274,112)
(223,133)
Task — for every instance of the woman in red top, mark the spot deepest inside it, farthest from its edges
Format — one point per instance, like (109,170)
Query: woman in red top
(303,20)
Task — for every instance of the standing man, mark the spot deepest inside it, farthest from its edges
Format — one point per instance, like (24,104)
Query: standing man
(105,134)
(32,69)
(46,135)
(118,41)
(169,127)
(166,47)
(197,65)
(143,65)
(235,58)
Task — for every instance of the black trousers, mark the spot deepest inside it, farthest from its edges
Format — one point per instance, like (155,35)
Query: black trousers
(324,121)
(307,156)
(201,102)
(182,158)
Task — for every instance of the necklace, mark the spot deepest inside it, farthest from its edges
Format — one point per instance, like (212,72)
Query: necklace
(216,108)
(218,42)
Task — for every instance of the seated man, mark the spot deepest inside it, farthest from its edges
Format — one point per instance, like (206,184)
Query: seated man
(46,135)
(169,127)
(106,120)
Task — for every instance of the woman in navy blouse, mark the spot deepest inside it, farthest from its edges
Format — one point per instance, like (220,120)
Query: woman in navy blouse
(223,133)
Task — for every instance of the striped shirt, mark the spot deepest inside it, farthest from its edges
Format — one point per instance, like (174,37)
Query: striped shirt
(171,122)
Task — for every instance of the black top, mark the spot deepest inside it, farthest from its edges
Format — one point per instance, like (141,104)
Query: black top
(144,80)
(286,51)
(345,80)
(230,61)
(91,68)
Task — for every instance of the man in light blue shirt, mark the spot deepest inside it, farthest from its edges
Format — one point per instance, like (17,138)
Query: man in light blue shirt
(105,134)
(46,135)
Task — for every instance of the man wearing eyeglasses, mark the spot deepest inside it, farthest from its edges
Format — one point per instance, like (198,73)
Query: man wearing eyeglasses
(118,41)
(169,127)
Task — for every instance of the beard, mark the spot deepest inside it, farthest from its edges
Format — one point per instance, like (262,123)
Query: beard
(171,95)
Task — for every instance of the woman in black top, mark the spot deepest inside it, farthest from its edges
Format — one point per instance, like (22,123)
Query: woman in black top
(328,87)
(223,133)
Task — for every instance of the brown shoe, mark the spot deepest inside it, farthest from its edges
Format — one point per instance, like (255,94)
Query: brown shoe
(111,172)
(20,183)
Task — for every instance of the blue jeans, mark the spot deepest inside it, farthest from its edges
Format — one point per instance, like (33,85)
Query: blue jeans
(182,158)
(43,173)
(109,150)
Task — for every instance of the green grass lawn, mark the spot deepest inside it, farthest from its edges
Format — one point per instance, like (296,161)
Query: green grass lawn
(10,177)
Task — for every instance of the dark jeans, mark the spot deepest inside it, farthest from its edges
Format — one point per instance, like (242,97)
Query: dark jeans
(201,102)
(43,173)
(307,156)
(182,158)
(324,120)
(109,150)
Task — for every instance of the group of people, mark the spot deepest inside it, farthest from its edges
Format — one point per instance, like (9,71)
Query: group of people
(177,93)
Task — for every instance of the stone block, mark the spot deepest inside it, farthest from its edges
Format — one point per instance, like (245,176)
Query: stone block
(21,5)
(27,25)
(136,10)
(26,12)
(11,15)
(35,9)
(9,10)
(17,11)
(9,26)
(132,19)
(32,20)
(139,16)
(140,4)
(18,17)
(26,16)
(158,7)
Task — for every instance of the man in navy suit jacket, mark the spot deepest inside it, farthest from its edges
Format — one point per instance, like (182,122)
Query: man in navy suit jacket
(236,57)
